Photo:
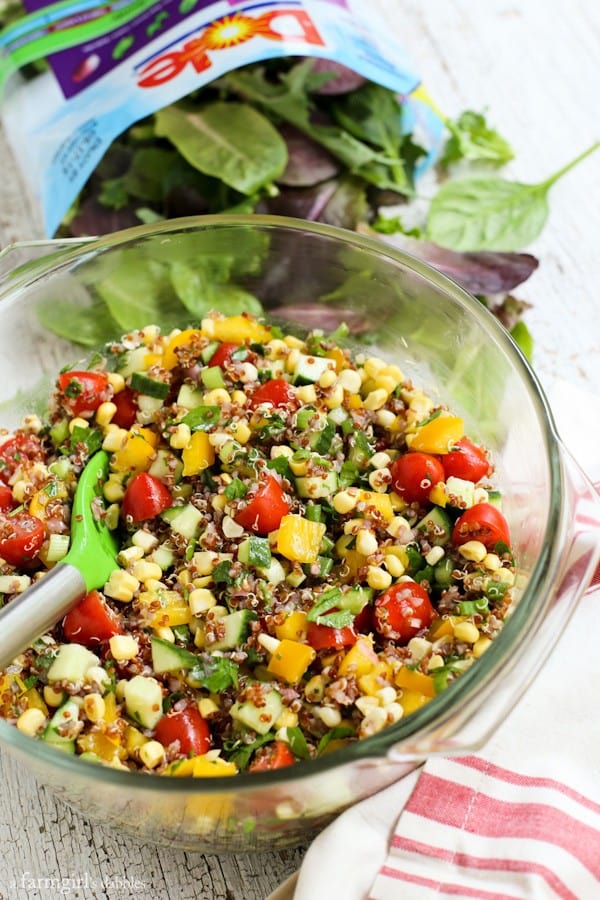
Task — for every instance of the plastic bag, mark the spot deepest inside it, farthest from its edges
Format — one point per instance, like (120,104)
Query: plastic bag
(109,70)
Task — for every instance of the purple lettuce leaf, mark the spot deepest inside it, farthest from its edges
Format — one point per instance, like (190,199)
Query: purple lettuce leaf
(308,162)
(344,80)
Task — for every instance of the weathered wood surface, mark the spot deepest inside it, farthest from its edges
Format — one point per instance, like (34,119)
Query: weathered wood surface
(535,67)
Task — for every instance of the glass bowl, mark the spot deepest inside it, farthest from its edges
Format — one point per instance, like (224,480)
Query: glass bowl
(309,275)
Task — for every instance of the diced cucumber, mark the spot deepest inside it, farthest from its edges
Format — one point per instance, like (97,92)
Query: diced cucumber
(437,526)
(325,564)
(235,627)
(259,718)
(338,415)
(231,453)
(361,451)
(166,465)
(189,397)
(255,551)
(212,378)
(132,361)
(308,415)
(151,387)
(71,663)
(495,498)
(58,547)
(209,351)
(163,556)
(460,492)
(295,577)
(317,486)
(64,715)
(309,369)
(184,520)
(59,434)
(320,440)
(274,572)
(442,572)
(355,599)
(143,700)
(167,657)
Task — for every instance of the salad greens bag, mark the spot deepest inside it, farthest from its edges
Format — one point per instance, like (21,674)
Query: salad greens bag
(113,65)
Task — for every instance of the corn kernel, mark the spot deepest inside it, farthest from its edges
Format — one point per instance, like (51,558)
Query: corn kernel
(219,502)
(378,579)
(329,716)
(114,439)
(144,570)
(480,646)
(467,632)
(366,542)
(314,689)
(123,647)
(375,399)
(239,398)
(78,422)
(121,586)
(474,551)
(113,491)
(328,378)
(380,460)
(116,381)
(105,412)
(151,754)
(436,662)
(144,540)
(379,479)
(291,341)
(201,600)
(230,528)
(350,381)
(207,707)
(217,397)
(292,359)
(53,697)
(181,437)
(435,555)
(97,675)
(374,721)
(385,383)
(31,721)
(386,695)
(130,555)
(94,707)
(365,703)
(241,432)
(491,562)
(393,712)
(344,502)
(394,565)
(165,633)
(385,418)
(506,576)
(286,719)
(306,393)
(204,561)
(335,397)
(419,648)
(396,525)
(373,365)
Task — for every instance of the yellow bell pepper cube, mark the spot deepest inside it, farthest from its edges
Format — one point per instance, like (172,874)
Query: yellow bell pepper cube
(236,329)
(360,660)
(380,502)
(299,539)
(438,495)
(110,708)
(411,680)
(354,560)
(198,455)
(166,608)
(41,499)
(169,357)
(411,701)
(102,745)
(294,628)
(205,766)
(437,436)
(137,452)
(34,700)
(290,660)
(134,739)
(380,676)
(338,357)
(440,628)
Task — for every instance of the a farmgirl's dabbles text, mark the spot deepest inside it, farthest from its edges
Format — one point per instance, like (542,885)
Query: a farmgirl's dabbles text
(310,550)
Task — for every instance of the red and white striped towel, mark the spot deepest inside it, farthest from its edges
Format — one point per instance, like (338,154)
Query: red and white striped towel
(518,821)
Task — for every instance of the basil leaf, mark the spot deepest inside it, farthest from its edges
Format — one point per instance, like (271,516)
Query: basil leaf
(215,673)
(336,734)
(240,753)
(235,490)
(202,418)
(338,619)
(230,141)
(327,601)
(491,213)
(259,552)
(297,742)
(472,139)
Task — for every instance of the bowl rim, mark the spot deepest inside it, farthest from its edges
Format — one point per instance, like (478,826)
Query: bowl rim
(440,709)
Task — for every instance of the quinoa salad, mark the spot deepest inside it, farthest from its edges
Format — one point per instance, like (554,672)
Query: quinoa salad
(310,549)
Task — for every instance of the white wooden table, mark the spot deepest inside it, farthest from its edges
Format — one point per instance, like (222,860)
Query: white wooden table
(535,66)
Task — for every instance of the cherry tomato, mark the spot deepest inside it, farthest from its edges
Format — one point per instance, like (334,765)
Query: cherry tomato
(91,621)
(482,522)
(15,450)
(277,392)
(414,474)
(273,756)
(222,354)
(21,537)
(145,497)
(402,611)
(83,391)
(466,460)
(265,510)
(323,637)
(6,497)
(363,621)
(126,403)
(186,726)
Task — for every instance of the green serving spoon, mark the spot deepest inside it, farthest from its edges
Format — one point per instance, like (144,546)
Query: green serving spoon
(88,565)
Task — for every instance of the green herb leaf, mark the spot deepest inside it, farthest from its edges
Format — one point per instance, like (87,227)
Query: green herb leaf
(230,141)
(522,337)
(259,552)
(240,753)
(297,742)
(235,490)
(338,619)
(324,604)
(472,139)
(491,213)
(202,418)
(335,734)
(215,673)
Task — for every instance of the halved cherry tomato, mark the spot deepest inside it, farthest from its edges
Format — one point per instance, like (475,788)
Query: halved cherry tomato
(21,537)
(222,354)
(324,637)
(15,450)
(265,510)
(277,392)
(482,522)
(402,611)
(363,621)
(91,621)
(414,474)
(6,497)
(466,460)
(186,726)
(126,403)
(83,391)
(145,497)
(273,756)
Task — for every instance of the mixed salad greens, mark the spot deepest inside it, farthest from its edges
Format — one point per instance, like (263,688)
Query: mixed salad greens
(310,550)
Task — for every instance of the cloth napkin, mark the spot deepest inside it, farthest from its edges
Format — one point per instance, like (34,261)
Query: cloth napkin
(521,819)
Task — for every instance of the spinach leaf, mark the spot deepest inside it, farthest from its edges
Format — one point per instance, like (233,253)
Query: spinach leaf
(240,753)
(88,324)
(215,673)
(491,213)
(137,290)
(295,738)
(472,139)
(231,141)
(200,288)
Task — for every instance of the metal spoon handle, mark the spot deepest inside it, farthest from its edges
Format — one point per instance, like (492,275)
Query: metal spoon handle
(38,609)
